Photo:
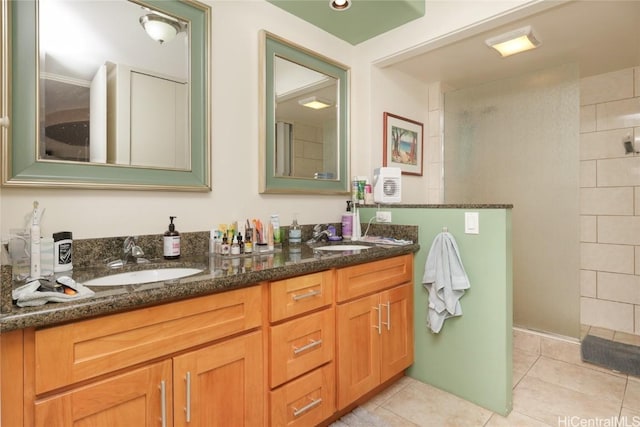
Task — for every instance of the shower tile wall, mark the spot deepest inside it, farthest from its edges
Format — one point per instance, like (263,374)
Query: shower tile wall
(610,201)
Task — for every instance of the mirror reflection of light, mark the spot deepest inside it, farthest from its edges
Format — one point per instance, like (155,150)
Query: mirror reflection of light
(64,35)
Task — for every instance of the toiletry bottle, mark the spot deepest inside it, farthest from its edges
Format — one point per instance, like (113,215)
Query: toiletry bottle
(240,243)
(224,247)
(235,247)
(347,222)
(62,251)
(248,245)
(270,243)
(275,221)
(295,233)
(171,241)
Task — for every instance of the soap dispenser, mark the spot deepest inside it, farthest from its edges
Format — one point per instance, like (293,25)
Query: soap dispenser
(295,233)
(347,222)
(171,241)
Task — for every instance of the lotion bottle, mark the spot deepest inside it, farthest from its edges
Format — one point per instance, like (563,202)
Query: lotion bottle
(171,241)
(347,222)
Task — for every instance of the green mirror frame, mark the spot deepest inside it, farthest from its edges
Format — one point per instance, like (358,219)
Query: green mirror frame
(273,46)
(19,141)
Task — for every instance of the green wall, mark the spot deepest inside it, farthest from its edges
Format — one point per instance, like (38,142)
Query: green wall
(471,357)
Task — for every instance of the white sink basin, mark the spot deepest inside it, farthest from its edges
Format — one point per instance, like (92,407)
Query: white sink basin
(342,248)
(143,276)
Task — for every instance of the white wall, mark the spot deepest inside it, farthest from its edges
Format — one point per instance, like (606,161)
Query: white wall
(235,27)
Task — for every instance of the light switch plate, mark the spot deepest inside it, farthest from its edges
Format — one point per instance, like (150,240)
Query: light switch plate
(471,223)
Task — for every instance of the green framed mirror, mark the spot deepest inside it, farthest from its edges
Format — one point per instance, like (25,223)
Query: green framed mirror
(304,120)
(29,160)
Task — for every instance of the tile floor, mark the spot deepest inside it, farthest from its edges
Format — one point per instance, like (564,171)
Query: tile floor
(551,387)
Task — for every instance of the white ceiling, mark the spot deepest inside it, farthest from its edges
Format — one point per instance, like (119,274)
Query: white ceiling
(600,36)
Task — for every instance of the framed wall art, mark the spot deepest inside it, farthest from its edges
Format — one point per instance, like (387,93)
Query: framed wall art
(403,144)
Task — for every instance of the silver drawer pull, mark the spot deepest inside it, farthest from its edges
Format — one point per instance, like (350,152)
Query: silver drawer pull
(188,408)
(305,408)
(379,325)
(388,322)
(307,295)
(312,344)
(163,403)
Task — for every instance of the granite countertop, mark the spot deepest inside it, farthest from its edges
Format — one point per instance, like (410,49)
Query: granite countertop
(220,273)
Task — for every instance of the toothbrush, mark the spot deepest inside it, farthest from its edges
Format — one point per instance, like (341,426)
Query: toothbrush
(35,241)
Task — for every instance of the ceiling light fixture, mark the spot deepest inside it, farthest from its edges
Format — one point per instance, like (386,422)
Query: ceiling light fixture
(160,28)
(315,102)
(515,41)
(340,4)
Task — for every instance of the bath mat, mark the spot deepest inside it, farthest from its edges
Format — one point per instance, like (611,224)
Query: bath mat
(613,355)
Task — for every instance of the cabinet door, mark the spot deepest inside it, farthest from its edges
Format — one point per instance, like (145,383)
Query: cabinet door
(396,344)
(137,398)
(358,348)
(221,385)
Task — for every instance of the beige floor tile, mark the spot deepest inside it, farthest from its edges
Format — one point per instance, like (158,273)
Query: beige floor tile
(583,380)
(629,417)
(626,338)
(552,403)
(380,398)
(526,341)
(428,406)
(561,350)
(522,362)
(393,419)
(632,395)
(514,419)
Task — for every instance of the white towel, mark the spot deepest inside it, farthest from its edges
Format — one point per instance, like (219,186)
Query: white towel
(445,279)
(28,295)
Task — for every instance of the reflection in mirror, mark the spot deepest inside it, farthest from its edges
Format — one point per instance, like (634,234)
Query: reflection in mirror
(22,149)
(306,122)
(304,129)
(109,92)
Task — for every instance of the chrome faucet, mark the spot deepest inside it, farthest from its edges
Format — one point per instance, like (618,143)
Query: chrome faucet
(320,234)
(130,247)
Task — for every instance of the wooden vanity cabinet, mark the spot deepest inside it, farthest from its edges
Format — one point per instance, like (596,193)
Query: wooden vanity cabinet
(301,350)
(196,362)
(375,324)
(292,352)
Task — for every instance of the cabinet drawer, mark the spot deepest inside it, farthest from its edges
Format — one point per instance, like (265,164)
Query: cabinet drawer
(306,401)
(299,295)
(300,345)
(86,349)
(363,279)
